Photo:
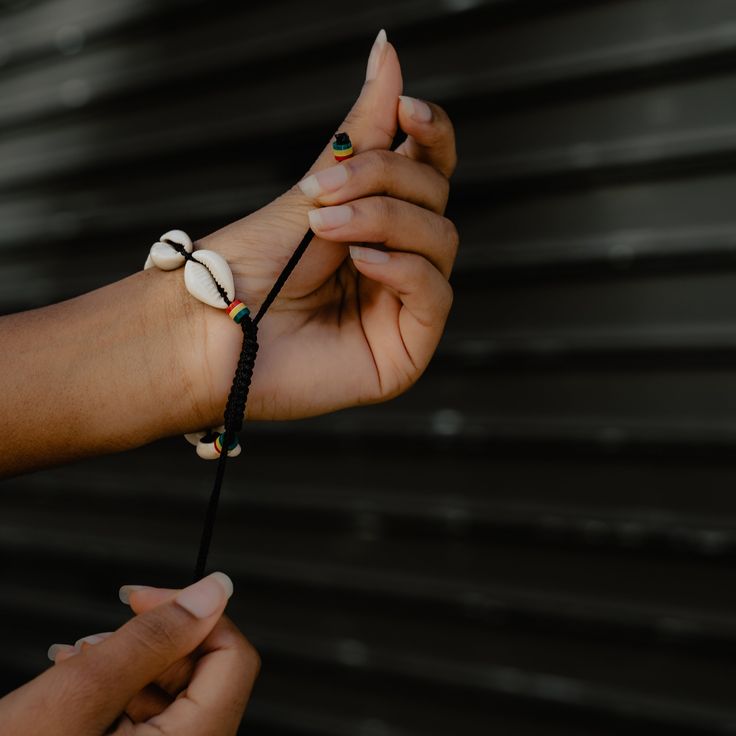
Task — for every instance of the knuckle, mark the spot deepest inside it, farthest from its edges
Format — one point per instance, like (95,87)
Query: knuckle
(378,162)
(452,160)
(76,685)
(154,634)
(452,234)
(449,296)
(382,211)
(444,187)
(248,655)
(253,658)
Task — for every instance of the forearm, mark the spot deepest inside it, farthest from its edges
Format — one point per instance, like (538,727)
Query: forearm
(106,371)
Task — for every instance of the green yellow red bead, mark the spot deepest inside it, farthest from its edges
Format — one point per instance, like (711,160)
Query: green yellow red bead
(220,441)
(342,147)
(237,311)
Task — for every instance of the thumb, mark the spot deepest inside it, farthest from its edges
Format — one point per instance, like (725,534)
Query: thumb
(114,671)
(373,119)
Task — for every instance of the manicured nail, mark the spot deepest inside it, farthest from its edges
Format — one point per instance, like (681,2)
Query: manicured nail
(126,590)
(416,109)
(328,180)
(207,595)
(92,639)
(326,218)
(54,649)
(368,255)
(378,51)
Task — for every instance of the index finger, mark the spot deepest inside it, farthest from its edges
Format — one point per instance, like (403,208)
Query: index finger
(431,135)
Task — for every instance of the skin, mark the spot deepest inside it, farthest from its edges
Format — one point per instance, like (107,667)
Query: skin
(141,359)
(172,669)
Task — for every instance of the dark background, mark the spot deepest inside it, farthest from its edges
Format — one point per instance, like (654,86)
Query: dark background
(540,537)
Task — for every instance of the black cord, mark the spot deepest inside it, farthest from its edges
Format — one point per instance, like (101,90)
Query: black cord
(238,396)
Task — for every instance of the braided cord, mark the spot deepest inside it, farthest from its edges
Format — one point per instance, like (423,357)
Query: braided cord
(342,148)
(238,396)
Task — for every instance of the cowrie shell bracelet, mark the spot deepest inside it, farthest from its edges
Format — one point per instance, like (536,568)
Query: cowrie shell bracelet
(207,277)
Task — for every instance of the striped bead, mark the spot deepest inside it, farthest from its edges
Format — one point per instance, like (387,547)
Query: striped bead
(234,445)
(342,147)
(237,311)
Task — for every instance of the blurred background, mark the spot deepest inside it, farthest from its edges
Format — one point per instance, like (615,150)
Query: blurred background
(540,537)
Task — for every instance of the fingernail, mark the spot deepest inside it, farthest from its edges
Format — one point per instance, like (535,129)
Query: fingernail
(325,218)
(54,649)
(368,255)
(378,51)
(416,109)
(207,595)
(92,639)
(126,590)
(325,181)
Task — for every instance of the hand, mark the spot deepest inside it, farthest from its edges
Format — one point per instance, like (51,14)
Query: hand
(178,667)
(346,329)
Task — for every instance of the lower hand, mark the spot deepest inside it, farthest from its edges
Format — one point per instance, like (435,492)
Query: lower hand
(178,667)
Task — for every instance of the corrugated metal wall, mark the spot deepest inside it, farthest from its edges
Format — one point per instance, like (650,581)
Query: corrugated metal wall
(539,537)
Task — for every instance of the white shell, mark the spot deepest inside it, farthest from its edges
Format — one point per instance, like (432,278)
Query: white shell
(149,263)
(193,438)
(165,257)
(206,450)
(199,282)
(180,237)
(234,452)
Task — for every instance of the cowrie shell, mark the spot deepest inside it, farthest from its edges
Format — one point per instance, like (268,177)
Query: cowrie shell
(149,263)
(193,438)
(206,450)
(165,257)
(180,237)
(198,278)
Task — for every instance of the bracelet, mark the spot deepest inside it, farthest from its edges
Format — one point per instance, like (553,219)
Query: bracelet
(208,278)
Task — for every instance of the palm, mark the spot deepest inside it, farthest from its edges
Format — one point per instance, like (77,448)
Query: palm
(331,339)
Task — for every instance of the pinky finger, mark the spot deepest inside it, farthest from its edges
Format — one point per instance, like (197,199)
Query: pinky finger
(425,295)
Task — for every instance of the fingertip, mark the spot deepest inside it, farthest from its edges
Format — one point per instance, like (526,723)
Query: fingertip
(369,256)
(56,651)
(310,188)
(207,596)
(226,583)
(127,590)
(322,219)
(415,109)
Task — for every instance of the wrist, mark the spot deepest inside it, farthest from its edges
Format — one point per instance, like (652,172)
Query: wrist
(217,361)
(206,345)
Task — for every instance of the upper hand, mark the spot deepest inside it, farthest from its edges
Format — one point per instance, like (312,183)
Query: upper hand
(349,327)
